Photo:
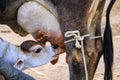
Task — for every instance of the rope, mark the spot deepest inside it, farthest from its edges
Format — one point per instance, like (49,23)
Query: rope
(77,38)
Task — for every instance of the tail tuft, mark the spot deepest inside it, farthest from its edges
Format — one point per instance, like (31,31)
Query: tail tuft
(108,45)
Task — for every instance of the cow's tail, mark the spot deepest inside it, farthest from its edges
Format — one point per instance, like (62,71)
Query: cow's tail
(108,45)
(2,5)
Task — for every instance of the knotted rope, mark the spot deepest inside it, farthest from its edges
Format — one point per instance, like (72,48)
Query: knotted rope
(79,39)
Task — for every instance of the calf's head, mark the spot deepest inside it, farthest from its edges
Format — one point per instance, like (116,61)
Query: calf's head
(37,54)
(28,54)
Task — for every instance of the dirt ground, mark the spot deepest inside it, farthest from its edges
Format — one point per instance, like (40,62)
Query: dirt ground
(60,70)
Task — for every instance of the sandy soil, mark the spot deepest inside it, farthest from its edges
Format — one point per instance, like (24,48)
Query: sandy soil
(60,70)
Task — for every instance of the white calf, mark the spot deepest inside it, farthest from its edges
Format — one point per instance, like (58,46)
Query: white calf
(29,54)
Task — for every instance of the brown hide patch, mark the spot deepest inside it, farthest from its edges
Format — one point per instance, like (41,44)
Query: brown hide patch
(40,36)
(53,62)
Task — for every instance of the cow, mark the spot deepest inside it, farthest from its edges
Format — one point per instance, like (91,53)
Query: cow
(77,13)
(28,55)
(72,15)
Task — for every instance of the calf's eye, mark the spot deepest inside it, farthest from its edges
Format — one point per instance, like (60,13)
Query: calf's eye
(38,50)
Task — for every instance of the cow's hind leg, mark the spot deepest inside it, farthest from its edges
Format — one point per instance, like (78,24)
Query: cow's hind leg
(95,30)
